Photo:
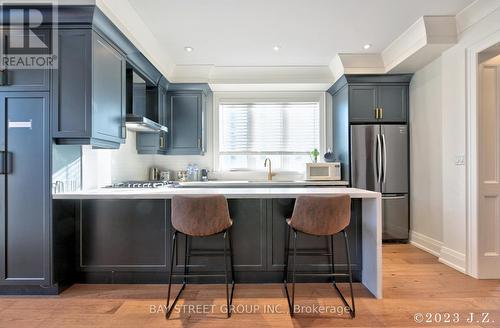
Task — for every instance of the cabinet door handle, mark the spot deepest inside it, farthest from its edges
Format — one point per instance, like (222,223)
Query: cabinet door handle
(162,142)
(3,77)
(381,113)
(199,142)
(3,71)
(375,112)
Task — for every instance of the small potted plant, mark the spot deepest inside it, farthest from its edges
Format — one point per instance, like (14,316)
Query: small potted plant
(314,155)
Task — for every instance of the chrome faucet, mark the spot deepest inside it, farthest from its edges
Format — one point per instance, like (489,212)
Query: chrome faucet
(269,171)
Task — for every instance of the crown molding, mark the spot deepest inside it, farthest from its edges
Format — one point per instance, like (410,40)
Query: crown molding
(258,87)
(420,44)
(251,76)
(475,12)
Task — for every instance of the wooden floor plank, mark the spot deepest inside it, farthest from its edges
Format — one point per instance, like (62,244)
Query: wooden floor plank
(414,282)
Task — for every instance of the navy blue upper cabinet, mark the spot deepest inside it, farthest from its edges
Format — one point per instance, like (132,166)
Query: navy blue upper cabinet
(24,79)
(89,91)
(393,103)
(378,103)
(362,103)
(185,115)
(375,98)
(155,143)
(162,114)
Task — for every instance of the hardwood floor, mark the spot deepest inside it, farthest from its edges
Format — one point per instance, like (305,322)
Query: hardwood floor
(414,282)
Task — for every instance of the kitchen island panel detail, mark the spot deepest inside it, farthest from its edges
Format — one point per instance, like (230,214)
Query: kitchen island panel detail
(123,234)
(120,236)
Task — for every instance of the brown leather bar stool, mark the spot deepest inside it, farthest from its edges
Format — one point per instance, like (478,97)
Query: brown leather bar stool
(200,216)
(319,216)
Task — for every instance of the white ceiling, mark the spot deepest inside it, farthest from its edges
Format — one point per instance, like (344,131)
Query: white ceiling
(310,32)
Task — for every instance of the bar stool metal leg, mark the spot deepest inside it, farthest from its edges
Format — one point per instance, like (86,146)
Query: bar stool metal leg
(293,268)
(287,254)
(186,258)
(353,309)
(169,309)
(225,275)
(232,265)
(285,270)
(332,253)
(170,273)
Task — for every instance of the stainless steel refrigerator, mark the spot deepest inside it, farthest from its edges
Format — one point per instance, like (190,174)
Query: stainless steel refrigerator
(379,162)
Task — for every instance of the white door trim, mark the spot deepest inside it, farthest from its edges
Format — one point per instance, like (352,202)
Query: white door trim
(472,150)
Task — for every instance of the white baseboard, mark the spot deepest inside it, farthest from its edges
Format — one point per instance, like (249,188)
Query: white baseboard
(453,259)
(446,255)
(425,243)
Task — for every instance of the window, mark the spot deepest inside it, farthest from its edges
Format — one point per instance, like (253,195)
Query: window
(286,132)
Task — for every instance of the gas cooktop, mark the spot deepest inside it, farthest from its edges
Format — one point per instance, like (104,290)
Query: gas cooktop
(145,184)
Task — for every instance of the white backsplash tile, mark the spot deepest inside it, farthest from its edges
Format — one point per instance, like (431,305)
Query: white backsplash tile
(101,167)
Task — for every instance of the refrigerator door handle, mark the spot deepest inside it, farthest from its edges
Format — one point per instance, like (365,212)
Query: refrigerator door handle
(394,197)
(379,159)
(5,162)
(384,172)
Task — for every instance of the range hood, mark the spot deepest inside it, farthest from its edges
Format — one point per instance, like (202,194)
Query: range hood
(142,105)
(143,124)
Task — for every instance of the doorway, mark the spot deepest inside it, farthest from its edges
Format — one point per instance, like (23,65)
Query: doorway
(488,163)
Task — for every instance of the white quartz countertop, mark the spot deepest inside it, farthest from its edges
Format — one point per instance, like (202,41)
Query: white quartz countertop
(252,183)
(167,193)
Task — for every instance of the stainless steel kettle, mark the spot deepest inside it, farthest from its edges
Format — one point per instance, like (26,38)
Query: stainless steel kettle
(154,174)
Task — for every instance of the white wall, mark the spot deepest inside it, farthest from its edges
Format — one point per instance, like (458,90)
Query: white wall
(454,133)
(425,153)
(475,23)
(101,167)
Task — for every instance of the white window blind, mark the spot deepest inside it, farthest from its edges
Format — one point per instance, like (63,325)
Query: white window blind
(288,131)
(269,127)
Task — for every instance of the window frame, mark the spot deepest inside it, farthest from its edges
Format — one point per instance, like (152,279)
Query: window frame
(221,97)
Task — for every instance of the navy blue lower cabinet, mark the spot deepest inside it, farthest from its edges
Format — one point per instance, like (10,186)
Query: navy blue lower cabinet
(129,241)
(25,209)
(122,235)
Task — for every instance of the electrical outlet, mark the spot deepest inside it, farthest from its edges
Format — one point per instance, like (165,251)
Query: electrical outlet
(459,160)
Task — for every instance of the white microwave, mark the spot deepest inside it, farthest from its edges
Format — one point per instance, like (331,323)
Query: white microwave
(323,171)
